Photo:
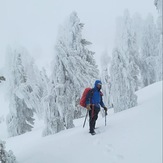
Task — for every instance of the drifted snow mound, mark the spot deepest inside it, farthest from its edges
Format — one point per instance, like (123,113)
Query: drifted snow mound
(131,136)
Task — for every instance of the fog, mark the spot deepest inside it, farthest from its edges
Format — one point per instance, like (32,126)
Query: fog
(34,24)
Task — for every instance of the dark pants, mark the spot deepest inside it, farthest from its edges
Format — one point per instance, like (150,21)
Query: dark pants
(93,115)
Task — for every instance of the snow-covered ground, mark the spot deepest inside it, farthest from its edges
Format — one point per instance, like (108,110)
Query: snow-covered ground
(131,136)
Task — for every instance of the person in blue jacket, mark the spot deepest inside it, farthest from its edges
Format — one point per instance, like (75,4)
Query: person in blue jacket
(93,103)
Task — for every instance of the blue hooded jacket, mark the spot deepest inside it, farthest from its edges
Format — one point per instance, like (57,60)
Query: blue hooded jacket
(94,96)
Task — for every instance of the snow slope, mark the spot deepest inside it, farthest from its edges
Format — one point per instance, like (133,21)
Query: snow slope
(131,136)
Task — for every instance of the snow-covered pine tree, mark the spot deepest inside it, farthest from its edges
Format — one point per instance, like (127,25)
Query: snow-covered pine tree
(53,120)
(158,4)
(122,90)
(129,47)
(74,69)
(44,85)
(38,82)
(19,119)
(149,51)
(137,25)
(124,69)
(6,157)
(105,78)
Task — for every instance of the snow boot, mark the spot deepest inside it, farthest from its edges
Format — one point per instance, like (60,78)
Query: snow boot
(93,133)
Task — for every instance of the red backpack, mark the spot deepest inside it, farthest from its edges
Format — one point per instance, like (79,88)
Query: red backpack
(84,95)
(83,98)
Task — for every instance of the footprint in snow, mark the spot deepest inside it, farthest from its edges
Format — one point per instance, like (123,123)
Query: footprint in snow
(120,157)
(109,147)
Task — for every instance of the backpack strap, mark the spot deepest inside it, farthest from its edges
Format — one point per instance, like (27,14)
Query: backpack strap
(91,92)
(91,95)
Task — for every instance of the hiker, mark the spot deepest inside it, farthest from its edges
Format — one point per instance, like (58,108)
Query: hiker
(93,102)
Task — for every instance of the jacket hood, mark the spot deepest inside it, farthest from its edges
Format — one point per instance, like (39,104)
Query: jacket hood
(97,82)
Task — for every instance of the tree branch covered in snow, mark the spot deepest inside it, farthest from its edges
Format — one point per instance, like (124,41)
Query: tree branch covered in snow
(6,157)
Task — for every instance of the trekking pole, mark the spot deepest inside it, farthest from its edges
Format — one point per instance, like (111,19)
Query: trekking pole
(105,117)
(85,118)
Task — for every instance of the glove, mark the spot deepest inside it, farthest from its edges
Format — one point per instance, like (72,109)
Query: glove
(88,107)
(105,108)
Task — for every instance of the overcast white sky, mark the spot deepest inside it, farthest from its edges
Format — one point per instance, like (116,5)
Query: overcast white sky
(34,23)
